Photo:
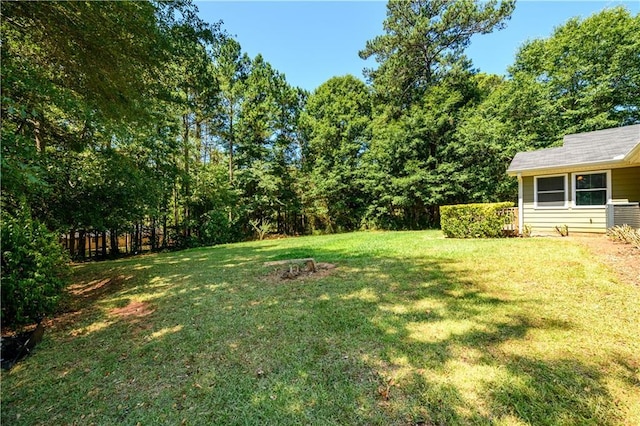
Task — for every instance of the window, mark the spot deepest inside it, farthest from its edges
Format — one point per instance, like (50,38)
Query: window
(591,189)
(551,191)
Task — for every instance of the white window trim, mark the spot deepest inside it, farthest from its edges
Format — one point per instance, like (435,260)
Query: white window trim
(566,192)
(574,186)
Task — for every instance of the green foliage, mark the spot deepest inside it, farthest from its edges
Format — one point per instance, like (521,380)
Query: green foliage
(262,229)
(101,59)
(585,75)
(484,144)
(424,40)
(336,125)
(625,234)
(473,220)
(213,227)
(190,134)
(415,161)
(94,190)
(34,268)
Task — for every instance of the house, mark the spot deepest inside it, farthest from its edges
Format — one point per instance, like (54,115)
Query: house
(590,183)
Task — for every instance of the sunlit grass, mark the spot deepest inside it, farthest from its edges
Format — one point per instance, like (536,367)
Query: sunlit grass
(409,328)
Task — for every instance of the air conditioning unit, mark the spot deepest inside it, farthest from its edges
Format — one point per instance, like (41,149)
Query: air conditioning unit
(619,214)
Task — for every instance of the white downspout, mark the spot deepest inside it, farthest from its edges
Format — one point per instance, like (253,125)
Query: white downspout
(520,205)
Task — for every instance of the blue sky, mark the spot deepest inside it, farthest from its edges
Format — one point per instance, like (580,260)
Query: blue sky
(312,41)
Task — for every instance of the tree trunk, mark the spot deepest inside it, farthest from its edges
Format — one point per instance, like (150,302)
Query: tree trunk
(187,187)
(104,244)
(164,231)
(231,146)
(115,244)
(82,241)
(134,241)
(199,141)
(279,223)
(154,246)
(72,243)
(434,215)
(40,143)
(176,217)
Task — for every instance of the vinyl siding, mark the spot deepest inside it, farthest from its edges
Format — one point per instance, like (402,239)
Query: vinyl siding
(545,220)
(625,184)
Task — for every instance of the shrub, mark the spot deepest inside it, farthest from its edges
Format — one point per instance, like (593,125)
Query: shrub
(214,228)
(473,220)
(563,230)
(625,234)
(34,268)
(262,228)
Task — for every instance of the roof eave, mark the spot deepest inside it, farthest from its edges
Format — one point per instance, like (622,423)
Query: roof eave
(623,162)
(633,156)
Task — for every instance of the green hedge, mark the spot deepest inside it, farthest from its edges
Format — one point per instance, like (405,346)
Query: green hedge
(473,220)
(34,268)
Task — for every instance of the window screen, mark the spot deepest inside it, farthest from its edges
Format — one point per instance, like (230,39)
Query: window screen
(551,191)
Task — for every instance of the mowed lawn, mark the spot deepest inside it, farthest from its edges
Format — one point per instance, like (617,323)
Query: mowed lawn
(408,329)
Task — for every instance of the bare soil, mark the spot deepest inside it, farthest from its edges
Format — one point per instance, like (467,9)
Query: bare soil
(623,259)
(322,270)
(133,310)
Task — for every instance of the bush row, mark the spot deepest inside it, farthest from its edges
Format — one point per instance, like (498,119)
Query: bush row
(473,220)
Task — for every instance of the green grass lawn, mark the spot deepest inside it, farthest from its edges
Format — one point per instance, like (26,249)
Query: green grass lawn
(410,328)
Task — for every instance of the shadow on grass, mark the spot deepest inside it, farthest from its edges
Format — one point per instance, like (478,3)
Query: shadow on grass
(384,340)
(561,391)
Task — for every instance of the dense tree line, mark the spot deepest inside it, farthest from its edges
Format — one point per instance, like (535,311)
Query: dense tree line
(139,118)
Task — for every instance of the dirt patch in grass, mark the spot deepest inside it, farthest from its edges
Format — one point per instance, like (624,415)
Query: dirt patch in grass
(623,259)
(76,304)
(95,289)
(133,310)
(81,297)
(278,275)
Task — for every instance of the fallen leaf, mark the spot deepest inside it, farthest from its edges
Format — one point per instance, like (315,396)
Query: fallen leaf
(383,391)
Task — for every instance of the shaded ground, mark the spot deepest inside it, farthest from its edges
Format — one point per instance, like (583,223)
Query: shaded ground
(80,298)
(623,259)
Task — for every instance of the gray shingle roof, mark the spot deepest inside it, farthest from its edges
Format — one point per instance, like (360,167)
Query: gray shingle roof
(609,145)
